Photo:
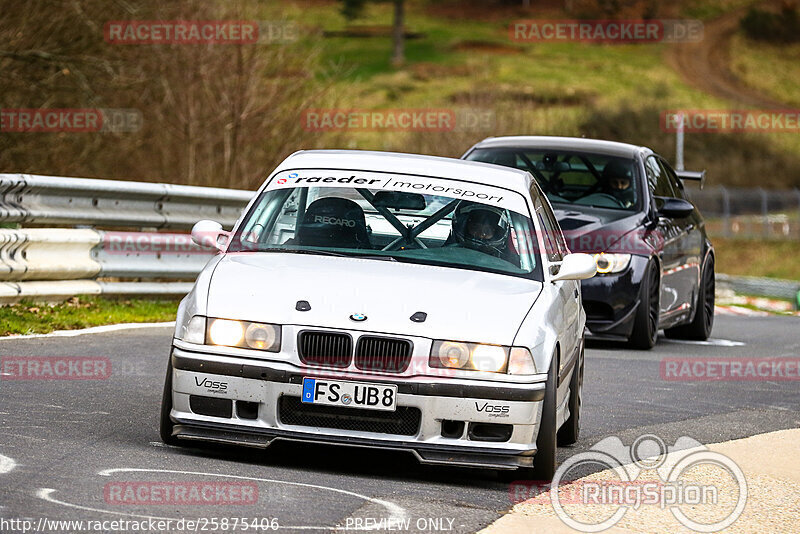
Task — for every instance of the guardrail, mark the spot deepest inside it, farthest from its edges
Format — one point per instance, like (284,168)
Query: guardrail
(761,287)
(52,200)
(93,257)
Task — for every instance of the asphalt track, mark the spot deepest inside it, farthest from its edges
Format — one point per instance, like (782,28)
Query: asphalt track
(63,441)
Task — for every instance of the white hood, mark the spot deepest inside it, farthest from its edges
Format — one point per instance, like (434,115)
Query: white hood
(460,304)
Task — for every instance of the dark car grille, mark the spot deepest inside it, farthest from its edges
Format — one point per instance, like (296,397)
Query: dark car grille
(404,421)
(383,354)
(325,348)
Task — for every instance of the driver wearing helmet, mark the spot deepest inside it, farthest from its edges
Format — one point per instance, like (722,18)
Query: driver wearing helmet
(483,228)
(617,182)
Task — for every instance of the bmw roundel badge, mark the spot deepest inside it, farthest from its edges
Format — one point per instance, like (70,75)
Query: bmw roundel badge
(358,317)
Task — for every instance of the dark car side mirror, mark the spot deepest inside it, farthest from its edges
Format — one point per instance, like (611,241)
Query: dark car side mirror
(676,208)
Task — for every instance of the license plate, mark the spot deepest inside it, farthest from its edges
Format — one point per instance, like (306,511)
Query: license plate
(350,394)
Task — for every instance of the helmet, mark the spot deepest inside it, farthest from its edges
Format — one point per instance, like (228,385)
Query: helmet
(481,227)
(615,174)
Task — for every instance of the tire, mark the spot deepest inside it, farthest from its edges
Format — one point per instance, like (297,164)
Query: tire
(645,324)
(570,431)
(700,327)
(544,463)
(166,425)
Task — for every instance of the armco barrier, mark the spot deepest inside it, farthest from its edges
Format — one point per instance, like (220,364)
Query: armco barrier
(52,200)
(53,263)
(761,287)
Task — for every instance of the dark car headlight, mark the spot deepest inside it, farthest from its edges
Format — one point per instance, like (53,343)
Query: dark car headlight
(611,263)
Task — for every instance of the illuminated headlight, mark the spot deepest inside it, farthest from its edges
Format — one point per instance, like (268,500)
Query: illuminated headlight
(480,357)
(244,334)
(611,263)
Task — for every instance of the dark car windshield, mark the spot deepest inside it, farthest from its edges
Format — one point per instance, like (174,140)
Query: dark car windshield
(569,177)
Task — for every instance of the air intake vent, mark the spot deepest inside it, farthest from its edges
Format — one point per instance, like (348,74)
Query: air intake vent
(404,422)
(325,348)
(383,354)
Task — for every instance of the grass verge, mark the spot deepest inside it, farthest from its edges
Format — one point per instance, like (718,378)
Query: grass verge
(81,312)
(750,257)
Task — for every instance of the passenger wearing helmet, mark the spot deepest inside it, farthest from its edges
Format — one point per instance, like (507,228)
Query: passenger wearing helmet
(618,182)
(483,228)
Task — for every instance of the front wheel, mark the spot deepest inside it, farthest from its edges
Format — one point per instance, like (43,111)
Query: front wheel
(700,327)
(166,425)
(571,429)
(544,463)
(645,324)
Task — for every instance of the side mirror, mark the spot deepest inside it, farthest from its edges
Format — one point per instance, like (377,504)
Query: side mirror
(676,208)
(209,234)
(576,266)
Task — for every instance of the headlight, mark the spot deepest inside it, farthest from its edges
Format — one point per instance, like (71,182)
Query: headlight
(244,334)
(469,356)
(611,263)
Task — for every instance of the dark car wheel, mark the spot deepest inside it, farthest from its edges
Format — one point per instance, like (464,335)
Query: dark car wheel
(645,324)
(700,327)
(166,425)
(571,429)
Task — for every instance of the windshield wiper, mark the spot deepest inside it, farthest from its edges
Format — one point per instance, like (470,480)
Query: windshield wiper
(326,253)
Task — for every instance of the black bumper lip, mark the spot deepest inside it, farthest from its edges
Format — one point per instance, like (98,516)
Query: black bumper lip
(262,438)
(501,392)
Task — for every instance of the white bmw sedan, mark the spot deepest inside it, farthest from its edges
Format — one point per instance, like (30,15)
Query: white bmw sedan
(386,300)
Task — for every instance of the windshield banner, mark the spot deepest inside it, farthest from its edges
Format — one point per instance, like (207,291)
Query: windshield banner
(456,189)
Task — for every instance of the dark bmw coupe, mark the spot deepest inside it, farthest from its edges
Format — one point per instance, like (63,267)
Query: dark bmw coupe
(625,205)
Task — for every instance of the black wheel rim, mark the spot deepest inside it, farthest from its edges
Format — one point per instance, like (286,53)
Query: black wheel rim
(708,304)
(652,318)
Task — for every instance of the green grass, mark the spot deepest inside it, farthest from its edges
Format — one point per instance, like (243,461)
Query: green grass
(81,312)
(751,257)
(771,68)
(532,88)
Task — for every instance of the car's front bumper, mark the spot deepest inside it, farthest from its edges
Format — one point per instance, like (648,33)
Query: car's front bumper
(271,392)
(611,300)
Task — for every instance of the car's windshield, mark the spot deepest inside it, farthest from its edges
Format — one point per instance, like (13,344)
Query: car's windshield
(568,177)
(393,218)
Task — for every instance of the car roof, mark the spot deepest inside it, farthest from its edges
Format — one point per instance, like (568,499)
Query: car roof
(598,146)
(414,164)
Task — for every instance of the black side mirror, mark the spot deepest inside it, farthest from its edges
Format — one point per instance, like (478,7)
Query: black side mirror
(676,208)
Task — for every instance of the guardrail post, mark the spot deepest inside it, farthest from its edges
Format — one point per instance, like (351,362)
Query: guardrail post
(764,212)
(726,211)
